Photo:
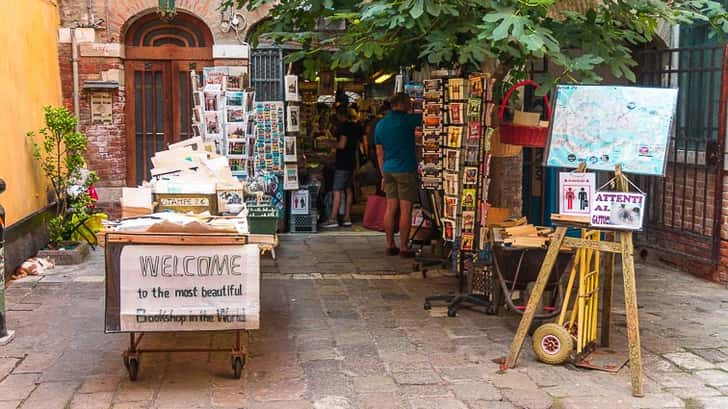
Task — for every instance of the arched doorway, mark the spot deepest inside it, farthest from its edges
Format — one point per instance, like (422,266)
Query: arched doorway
(159,58)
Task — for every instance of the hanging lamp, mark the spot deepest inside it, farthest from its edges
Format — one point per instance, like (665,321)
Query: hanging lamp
(166,10)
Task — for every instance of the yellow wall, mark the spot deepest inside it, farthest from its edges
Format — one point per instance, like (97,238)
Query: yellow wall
(29,79)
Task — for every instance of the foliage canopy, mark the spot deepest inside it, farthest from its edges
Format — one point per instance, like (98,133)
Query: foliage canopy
(577,37)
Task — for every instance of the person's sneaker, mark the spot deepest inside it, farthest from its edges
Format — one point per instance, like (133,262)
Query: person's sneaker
(346,223)
(392,251)
(407,254)
(330,224)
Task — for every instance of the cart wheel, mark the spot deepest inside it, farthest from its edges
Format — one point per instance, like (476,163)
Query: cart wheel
(133,369)
(452,312)
(238,365)
(552,344)
(428,306)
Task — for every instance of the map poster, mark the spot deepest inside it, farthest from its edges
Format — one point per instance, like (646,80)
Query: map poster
(605,126)
(189,288)
(617,210)
(576,190)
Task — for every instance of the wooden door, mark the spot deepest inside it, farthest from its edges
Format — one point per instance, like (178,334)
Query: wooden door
(149,126)
(181,88)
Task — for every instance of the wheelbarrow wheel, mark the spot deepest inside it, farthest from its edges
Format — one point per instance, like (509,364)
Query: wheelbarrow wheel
(552,344)
(133,369)
(238,365)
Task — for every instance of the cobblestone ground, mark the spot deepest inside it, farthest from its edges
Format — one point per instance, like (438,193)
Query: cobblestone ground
(336,335)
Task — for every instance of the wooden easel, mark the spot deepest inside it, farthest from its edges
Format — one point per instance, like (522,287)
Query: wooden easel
(622,246)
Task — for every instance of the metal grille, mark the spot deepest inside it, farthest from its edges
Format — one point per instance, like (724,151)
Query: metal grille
(684,206)
(267,73)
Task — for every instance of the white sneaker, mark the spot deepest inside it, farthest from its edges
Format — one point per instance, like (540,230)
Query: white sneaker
(330,225)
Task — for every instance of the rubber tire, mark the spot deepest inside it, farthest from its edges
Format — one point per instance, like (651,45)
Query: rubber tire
(559,334)
(428,306)
(452,312)
(238,365)
(133,369)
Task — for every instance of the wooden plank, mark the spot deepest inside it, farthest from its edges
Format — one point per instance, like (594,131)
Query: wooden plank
(607,294)
(608,246)
(564,218)
(525,230)
(633,325)
(206,239)
(535,297)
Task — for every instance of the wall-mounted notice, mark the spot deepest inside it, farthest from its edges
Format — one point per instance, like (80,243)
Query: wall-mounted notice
(189,288)
(101,108)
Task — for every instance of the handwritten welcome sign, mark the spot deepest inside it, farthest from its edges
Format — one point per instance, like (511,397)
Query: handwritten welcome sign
(189,288)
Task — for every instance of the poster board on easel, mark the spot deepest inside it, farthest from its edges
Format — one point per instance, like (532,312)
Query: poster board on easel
(605,126)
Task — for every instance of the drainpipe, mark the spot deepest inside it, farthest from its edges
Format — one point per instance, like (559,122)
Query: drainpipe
(74,64)
(5,335)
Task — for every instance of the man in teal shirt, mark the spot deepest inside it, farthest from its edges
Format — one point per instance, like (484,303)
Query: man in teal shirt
(394,137)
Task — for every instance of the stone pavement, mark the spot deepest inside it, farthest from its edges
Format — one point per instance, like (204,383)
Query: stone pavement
(352,339)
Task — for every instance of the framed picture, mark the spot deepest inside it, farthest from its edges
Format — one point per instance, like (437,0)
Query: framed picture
(213,101)
(291,84)
(457,113)
(474,109)
(292,118)
(450,184)
(249,101)
(471,175)
(290,176)
(467,240)
(451,207)
(213,123)
(236,114)
(196,130)
(237,164)
(237,147)
(238,78)
(475,86)
(448,230)
(456,89)
(236,130)
(290,149)
(471,154)
(234,98)
(469,199)
(198,98)
(474,130)
(452,160)
(454,136)
(433,109)
(468,218)
(228,197)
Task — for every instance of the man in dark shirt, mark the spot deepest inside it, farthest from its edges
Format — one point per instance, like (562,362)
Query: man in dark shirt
(395,141)
(348,135)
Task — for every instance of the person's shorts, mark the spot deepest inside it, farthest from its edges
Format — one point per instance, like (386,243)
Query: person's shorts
(402,186)
(343,179)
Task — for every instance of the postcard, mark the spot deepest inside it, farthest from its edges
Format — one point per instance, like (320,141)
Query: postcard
(471,175)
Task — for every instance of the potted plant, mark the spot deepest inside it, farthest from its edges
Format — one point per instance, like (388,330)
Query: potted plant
(60,155)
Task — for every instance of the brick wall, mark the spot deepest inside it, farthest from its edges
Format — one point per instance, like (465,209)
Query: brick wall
(121,12)
(684,204)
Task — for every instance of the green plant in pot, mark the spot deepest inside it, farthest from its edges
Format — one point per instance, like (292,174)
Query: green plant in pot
(60,155)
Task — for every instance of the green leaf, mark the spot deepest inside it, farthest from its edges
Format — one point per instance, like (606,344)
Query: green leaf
(417,9)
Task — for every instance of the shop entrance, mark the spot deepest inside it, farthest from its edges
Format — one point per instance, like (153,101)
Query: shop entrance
(159,58)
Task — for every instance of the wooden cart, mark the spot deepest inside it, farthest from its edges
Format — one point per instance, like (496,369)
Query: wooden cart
(173,282)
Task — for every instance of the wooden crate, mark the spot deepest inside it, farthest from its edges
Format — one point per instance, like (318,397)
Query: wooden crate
(186,202)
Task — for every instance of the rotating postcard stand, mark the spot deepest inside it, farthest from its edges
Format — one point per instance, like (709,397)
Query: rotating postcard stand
(582,131)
